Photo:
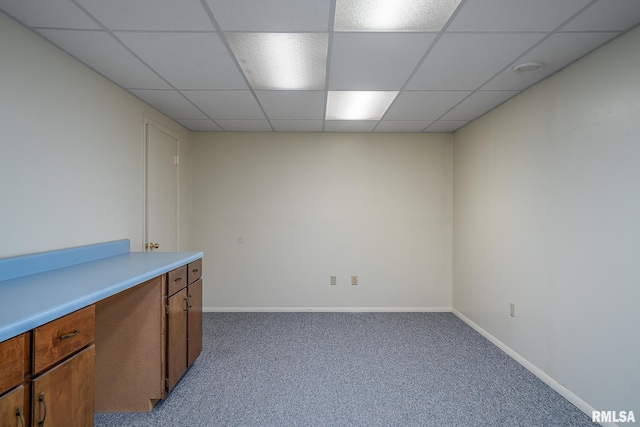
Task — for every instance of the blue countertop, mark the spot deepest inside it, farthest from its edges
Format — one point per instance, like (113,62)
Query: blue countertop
(31,300)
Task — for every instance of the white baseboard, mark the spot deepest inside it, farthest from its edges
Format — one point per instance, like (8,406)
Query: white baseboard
(327,309)
(555,385)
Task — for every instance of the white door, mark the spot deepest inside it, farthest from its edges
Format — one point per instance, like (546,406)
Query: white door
(161,225)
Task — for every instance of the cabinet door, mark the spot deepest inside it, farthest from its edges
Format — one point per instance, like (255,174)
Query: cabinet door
(64,395)
(12,362)
(12,413)
(194,321)
(176,338)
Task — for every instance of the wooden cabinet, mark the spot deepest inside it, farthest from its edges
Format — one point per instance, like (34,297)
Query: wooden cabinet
(176,337)
(159,323)
(64,361)
(194,321)
(14,371)
(59,390)
(63,396)
(12,412)
(184,320)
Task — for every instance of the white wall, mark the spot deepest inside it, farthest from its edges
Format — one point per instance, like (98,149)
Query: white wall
(310,206)
(546,214)
(71,147)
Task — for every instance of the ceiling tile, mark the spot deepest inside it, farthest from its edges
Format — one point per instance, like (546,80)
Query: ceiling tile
(245,125)
(446,126)
(169,102)
(466,61)
(606,15)
(402,125)
(50,13)
(103,53)
(226,104)
(478,103)
(349,125)
(204,55)
(295,104)
(149,14)
(297,125)
(557,51)
(374,61)
(423,105)
(272,15)
(200,125)
(514,15)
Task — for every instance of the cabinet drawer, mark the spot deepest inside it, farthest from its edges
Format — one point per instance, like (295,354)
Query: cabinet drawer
(62,337)
(194,271)
(12,362)
(177,280)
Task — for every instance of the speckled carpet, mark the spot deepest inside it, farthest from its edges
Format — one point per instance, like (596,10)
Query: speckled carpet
(352,369)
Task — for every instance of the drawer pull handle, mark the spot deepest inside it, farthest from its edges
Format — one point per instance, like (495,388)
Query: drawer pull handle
(185,306)
(69,335)
(178,279)
(19,415)
(44,404)
(195,270)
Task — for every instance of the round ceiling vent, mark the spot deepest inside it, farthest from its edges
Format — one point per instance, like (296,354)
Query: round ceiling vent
(529,67)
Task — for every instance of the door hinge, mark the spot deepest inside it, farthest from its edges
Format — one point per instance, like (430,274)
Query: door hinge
(166,383)
(167,309)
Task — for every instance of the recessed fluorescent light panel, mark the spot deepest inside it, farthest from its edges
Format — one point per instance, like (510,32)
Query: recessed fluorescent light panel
(276,61)
(393,15)
(358,105)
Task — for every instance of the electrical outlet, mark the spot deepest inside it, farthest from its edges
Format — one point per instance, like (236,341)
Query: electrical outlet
(333,281)
(512,309)
(354,280)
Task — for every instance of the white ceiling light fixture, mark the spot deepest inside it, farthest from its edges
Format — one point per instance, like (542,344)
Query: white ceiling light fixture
(358,105)
(282,61)
(393,15)
(528,67)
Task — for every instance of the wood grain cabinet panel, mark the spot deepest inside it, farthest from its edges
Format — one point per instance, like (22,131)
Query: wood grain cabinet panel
(176,280)
(64,395)
(62,337)
(194,271)
(176,338)
(12,362)
(194,321)
(12,408)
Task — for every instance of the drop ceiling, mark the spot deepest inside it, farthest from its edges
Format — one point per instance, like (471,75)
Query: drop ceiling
(192,59)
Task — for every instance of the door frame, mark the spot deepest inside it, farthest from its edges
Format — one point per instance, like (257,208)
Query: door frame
(166,130)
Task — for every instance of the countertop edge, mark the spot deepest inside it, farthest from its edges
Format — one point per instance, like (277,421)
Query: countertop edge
(20,323)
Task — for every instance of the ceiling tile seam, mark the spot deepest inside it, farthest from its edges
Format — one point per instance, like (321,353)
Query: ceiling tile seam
(421,61)
(592,31)
(115,30)
(515,61)
(327,74)
(216,25)
(95,30)
(497,32)
(117,39)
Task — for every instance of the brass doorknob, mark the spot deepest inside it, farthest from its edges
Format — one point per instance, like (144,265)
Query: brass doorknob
(152,246)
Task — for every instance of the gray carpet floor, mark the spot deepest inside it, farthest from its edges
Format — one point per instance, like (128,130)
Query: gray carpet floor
(352,369)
